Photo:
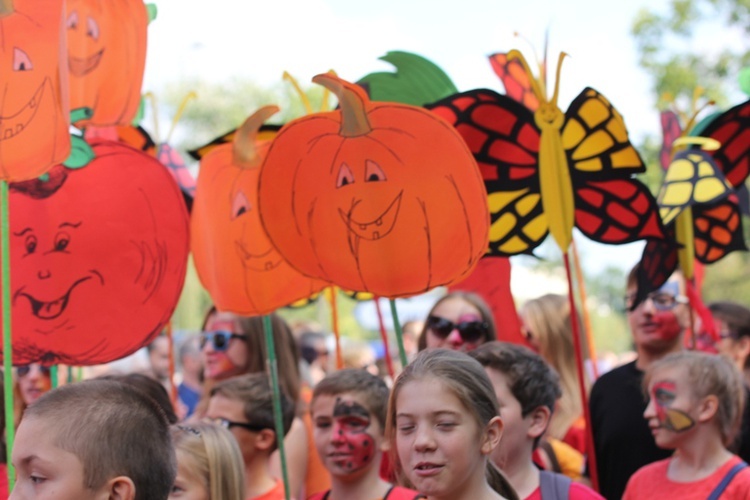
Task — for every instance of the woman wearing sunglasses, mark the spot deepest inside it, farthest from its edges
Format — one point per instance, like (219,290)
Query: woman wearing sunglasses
(31,382)
(234,345)
(460,321)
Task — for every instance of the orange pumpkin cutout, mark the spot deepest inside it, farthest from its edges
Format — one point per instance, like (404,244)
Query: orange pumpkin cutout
(34,115)
(107,58)
(377,197)
(235,261)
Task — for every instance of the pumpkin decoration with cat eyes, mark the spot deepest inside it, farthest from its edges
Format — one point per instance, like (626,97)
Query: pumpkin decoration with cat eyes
(34,115)
(235,261)
(107,58)
(378,197)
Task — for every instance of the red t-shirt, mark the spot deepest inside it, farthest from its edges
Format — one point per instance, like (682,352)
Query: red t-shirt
(577,491)
(275,493)
(651,481)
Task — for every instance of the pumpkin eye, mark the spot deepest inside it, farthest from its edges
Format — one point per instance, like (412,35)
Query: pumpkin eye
(73,20)
(21,61)
(240,205)
(61,241)
(373,172)
(30,244)
(345,177)
(92,28)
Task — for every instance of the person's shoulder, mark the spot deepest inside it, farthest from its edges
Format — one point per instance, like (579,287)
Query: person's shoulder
(578,491)
(656,469)
(617,376)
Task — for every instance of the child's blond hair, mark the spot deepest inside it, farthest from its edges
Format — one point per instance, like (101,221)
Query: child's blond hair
(709,375)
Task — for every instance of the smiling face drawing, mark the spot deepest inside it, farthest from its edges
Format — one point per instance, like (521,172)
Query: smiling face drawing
(34,102)
(377,197)
(106,58)
(98,258)
(235,260)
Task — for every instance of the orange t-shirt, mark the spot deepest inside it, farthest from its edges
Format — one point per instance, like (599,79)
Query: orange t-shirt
(651,481)
(275,493)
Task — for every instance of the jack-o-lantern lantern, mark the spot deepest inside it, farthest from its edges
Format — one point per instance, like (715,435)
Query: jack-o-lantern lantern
(34,115)
(376,197)
(235,261)
(107,58)
(99,257)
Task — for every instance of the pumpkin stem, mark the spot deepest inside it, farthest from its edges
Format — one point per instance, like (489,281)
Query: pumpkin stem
(6,7)
(243,144)
(353,102)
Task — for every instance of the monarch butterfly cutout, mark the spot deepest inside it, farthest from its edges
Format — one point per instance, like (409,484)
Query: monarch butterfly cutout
(547,171)
(701,185)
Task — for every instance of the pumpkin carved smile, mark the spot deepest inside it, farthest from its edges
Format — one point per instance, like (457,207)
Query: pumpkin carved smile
(376,228)
(81,66)
(262,262)
(15,124)
(54,308)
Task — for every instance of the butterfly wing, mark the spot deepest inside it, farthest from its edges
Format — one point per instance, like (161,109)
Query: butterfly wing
(658,262)
(732,130)
(515,79)
(611,206)
(504,140)
(718,230)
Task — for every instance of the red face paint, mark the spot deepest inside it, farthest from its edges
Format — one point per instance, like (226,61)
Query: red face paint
(669,326)
(351,421)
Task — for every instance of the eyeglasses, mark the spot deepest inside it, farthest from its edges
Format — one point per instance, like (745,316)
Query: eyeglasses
(24,370)
(470,331)
(228,424)
(191,430)
(662,301)
(220,339)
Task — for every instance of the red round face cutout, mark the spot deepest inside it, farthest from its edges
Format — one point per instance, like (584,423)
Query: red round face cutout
(98,258)
(34,112)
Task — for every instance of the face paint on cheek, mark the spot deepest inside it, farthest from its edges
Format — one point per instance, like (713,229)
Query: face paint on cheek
(669,326)
(664,394)
(351,423)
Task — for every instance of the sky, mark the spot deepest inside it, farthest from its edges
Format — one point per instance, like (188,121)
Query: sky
(225,39)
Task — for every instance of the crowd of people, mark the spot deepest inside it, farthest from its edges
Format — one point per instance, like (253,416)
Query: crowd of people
(469,417)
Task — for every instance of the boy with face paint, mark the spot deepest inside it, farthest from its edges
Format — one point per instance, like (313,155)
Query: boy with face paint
(695,408)
(348,410)
(622,439)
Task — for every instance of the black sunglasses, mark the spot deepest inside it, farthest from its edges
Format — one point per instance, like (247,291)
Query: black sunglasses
(24,370)
(228,424)
(220,339)
(470,331)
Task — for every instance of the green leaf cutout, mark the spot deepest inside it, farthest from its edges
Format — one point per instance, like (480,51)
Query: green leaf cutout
(744,78)
(417,81)
(152,11)
(81,153)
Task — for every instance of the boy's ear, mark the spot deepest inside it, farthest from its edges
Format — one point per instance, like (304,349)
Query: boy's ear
(265,439)
(538,421)
(492,434)
(120,488)
(708,408)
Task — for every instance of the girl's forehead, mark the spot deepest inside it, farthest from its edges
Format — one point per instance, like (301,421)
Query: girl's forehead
(671,374)
(455,306)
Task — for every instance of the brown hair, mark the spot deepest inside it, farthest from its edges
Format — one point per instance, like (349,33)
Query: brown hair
(466,379)
(736,316)
(114,430)
(254,391)
(372,389)
(707,375)
(211,454)
(473,299)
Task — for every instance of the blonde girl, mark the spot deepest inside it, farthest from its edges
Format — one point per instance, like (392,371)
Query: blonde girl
(695,408)
(209,463)
(442,427)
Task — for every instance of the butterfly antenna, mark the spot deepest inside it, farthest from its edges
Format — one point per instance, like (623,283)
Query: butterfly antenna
(151,98)
(535,84)
(543,62)
(300,93)
(563,55)
(539,63)
(178,115)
